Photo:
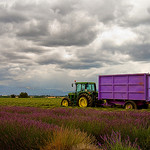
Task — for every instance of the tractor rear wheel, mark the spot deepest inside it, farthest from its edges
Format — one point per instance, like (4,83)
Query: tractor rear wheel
(130,105)
(66,102)
(85,100)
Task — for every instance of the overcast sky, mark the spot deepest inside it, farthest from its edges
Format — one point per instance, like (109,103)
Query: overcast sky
(51,43)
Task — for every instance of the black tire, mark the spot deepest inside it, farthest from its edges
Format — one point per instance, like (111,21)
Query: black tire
(113,106)
(87,97)
(66,99)
(145,106)
(130,105)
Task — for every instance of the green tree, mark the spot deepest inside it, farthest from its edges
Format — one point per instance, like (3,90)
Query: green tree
(13,96)
(23,95)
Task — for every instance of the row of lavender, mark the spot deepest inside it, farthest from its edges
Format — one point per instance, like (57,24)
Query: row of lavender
(30,128)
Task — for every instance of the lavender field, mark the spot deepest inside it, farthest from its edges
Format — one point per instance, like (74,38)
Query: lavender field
(73,128)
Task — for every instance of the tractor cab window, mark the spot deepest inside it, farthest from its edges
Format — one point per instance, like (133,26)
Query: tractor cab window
(78,87)
(93,87)
(90,87)
(83,87)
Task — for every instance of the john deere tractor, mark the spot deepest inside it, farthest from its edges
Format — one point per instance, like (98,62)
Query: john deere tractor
(85,95)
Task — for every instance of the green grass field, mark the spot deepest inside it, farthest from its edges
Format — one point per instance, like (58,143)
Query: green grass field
(45,103)
(31,102)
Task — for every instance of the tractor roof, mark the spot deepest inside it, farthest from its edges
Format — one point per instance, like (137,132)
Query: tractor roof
(84,82)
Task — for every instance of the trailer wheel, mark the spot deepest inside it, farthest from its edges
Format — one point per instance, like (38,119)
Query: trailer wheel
(145,106)
(85,100)
(66,102)
(130,105)
(113,106)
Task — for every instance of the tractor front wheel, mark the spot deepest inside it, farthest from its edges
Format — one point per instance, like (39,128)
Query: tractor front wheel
(66,102)
(85,100)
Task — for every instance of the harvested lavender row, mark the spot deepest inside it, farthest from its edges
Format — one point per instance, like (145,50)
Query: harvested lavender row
(136,118)
(133,124)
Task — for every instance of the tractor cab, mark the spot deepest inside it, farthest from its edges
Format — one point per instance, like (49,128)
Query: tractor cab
(85,87)
(84,96)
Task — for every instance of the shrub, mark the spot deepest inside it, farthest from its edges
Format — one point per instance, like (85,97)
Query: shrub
(69,139)
(23,95)
(13,96)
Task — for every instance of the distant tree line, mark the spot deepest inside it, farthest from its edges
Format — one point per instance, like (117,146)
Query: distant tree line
(21,95)
(25,95)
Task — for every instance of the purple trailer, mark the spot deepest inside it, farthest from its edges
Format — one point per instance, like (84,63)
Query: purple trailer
(128,90)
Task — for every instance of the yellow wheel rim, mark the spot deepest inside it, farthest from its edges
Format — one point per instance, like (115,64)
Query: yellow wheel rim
(83,102)
(65,103)
(129,106)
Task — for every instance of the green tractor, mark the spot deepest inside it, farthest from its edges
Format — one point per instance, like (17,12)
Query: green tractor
(85,95)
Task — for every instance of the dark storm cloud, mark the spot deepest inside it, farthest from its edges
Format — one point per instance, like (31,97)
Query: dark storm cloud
(64,7)
(61,32)
(79,65)
(148,10)
(139,52)
(34,50)
(14,56)
(67,23)
(11,17)
(34,31)
(82,58)
(61,23)
(51,23)
(54,58)
(70,64)
(6,28)
(8,15)
(5,72)
(67,63)
(137,22)
(137,19)
(4,75)
(106,11)
(69,36)
(98,57)
(136,52)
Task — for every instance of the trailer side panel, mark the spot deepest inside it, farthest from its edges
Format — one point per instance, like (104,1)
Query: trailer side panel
(124,87)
